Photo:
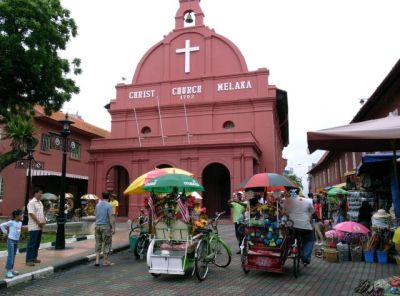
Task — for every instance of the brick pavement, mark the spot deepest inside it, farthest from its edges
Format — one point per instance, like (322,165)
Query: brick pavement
(54,260)
(130,277)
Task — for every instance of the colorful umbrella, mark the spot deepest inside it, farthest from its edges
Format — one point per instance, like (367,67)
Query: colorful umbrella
(89,196)
(271,181)
(69,195)
(49,196)
(166,183)
(351,227)
(137,185)
(335,191)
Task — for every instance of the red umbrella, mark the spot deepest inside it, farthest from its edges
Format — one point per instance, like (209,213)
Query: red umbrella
(351,227)
(271,181)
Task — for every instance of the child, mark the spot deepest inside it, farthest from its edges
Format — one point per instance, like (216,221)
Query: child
(12,229)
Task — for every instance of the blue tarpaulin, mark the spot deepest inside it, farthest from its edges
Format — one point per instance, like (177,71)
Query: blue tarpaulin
(369,160)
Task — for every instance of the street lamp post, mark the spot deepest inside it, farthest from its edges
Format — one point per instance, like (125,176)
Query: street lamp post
(60,141)
(28,163)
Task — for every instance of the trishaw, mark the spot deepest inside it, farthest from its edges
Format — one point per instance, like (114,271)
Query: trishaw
(257,252)
(183,241)
(173,250)
(268,236)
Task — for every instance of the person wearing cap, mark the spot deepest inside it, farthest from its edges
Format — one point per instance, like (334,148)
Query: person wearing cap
(114,204)
(238,208)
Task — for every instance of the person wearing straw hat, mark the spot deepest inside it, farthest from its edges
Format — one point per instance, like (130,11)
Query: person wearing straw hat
(381,219)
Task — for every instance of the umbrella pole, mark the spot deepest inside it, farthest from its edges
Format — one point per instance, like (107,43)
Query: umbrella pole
(395,196)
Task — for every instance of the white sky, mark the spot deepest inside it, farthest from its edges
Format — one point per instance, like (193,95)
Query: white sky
(327,54)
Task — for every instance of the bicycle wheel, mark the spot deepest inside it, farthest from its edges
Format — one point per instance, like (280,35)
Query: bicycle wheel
(222,256)
(296,264)
(201,263)
(243,257)
(141,246)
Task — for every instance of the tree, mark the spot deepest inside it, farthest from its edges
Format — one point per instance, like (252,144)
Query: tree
(32,33)
(296,180)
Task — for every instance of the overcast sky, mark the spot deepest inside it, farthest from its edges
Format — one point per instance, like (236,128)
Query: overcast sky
(327,54)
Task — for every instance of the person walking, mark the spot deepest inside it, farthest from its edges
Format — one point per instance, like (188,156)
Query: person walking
(114,204)
(103,235)
(12,229)
(300,210)
(238,208)
(36,222)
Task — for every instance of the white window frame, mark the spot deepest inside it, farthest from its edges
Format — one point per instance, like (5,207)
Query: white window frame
(45,143)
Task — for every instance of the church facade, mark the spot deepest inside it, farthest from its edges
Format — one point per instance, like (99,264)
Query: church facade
(192,104)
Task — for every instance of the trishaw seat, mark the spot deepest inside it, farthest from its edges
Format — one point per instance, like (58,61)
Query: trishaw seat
(162,231)
(180,231)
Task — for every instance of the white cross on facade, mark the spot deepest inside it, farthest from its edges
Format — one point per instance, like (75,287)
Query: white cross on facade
(187,50)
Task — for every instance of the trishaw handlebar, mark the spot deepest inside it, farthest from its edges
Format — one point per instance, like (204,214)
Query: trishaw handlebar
(217,215)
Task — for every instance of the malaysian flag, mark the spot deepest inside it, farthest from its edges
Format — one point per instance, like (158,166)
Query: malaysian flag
(183,208)
(152,209)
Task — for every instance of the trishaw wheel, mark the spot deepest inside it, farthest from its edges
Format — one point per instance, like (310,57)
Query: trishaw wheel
(243,259)
(141,247)
(201,263)
(222,258)
(296,265)
(155,274)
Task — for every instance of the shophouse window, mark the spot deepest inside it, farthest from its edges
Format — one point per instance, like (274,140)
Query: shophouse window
(1,188)
(228,125)
(45,143)
(76,153)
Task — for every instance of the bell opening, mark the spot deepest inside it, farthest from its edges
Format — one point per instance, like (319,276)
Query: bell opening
(189,18)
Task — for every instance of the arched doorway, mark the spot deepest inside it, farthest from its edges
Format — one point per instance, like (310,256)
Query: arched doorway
(163,166)
(117,182)
(217,184)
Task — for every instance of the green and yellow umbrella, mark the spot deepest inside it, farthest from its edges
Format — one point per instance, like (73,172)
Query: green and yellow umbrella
(167,183)
(137,185)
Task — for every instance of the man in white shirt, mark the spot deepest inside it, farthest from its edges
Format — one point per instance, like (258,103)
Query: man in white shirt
(299,210)
(36,223)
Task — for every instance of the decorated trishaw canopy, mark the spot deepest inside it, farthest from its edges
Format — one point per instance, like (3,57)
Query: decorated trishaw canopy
(171,182)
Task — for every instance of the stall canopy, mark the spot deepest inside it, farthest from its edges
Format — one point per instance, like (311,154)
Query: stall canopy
(371,160)
(372,135)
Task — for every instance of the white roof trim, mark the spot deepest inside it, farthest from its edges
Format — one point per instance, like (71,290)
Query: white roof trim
(53,173)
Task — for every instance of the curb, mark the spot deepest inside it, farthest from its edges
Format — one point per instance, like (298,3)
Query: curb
(47,271)
(52,244)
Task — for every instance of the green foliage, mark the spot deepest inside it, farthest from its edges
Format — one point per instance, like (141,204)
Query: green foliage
(296,180)
(20,130)
(32,34)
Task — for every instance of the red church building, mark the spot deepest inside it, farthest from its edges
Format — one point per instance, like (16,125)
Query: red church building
(192,104)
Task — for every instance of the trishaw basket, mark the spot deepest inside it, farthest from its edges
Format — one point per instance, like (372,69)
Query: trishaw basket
(356,253)
(331,242)
(331,255)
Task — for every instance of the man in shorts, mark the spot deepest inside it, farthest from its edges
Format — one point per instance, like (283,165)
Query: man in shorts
(103,234)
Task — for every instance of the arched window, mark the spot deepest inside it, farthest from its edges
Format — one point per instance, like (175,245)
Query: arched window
(146,130)
(228,125)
